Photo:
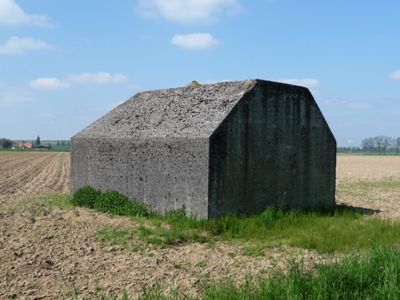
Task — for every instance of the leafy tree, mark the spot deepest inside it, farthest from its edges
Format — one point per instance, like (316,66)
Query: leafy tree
(6,143)
(397,144)
(379,142)
(368,144)
(37,143)
(387,141)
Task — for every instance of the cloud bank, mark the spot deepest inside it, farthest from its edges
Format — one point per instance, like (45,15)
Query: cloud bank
(188,11)
(52,83)
(395,75)
(48,83)
(20,45)
(195,41)
(12,14)
(11,96)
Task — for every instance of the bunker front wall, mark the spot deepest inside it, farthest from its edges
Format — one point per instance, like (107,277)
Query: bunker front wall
(165,173)
(274,148)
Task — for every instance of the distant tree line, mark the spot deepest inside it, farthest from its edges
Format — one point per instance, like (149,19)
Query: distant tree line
(63,145)
(6,143)
(380,144)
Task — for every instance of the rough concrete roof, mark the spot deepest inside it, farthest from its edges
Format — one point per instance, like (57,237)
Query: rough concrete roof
(191,111)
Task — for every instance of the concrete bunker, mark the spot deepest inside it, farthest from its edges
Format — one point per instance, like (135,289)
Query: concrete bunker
(215,149)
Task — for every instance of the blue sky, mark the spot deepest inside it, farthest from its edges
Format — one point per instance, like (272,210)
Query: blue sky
(65,63)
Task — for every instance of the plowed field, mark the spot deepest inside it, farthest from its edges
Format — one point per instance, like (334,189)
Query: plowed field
(47,251)
(32,173)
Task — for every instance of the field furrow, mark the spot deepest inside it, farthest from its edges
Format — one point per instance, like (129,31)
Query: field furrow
(49,176)
(34,173)
(14,161)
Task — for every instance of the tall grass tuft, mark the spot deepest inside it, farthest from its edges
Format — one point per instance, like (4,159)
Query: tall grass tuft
(374,275)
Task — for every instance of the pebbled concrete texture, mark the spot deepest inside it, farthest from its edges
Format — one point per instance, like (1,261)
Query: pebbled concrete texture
(216,149)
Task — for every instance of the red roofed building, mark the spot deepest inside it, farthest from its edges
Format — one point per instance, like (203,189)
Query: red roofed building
(26,146)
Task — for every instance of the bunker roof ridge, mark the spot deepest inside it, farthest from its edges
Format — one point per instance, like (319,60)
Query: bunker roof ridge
(192,111)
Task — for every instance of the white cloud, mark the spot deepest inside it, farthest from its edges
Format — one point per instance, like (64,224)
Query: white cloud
(97,78)
(11,96)
(195,41)
(48,83)
(19,45)
(395,75)
(12,14)
(81,78)
(188,11)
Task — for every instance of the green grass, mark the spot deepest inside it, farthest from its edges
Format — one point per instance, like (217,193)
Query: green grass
(374,275)
(340,230)
(38,205)
(326,230)
(61,201)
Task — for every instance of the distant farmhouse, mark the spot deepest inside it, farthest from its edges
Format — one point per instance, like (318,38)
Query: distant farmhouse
(25,146)
(214,149)
(42,147)
(30,146)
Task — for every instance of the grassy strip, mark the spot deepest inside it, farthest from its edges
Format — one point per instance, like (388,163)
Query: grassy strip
(339,229)
(339,232)
(374,275)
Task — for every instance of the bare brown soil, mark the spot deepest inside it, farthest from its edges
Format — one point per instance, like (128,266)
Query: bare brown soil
(369,182)
(46,251)
(31,173)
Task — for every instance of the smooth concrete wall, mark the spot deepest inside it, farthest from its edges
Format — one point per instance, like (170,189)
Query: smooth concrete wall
(274,148)
(165,173)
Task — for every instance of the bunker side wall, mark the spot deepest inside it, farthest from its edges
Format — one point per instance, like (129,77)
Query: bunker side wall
(165,173)
(80,156)
(274,148)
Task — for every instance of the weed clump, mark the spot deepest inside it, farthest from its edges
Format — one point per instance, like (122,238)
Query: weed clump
(136,209)
(85,197)
(111,202)
(271,216)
